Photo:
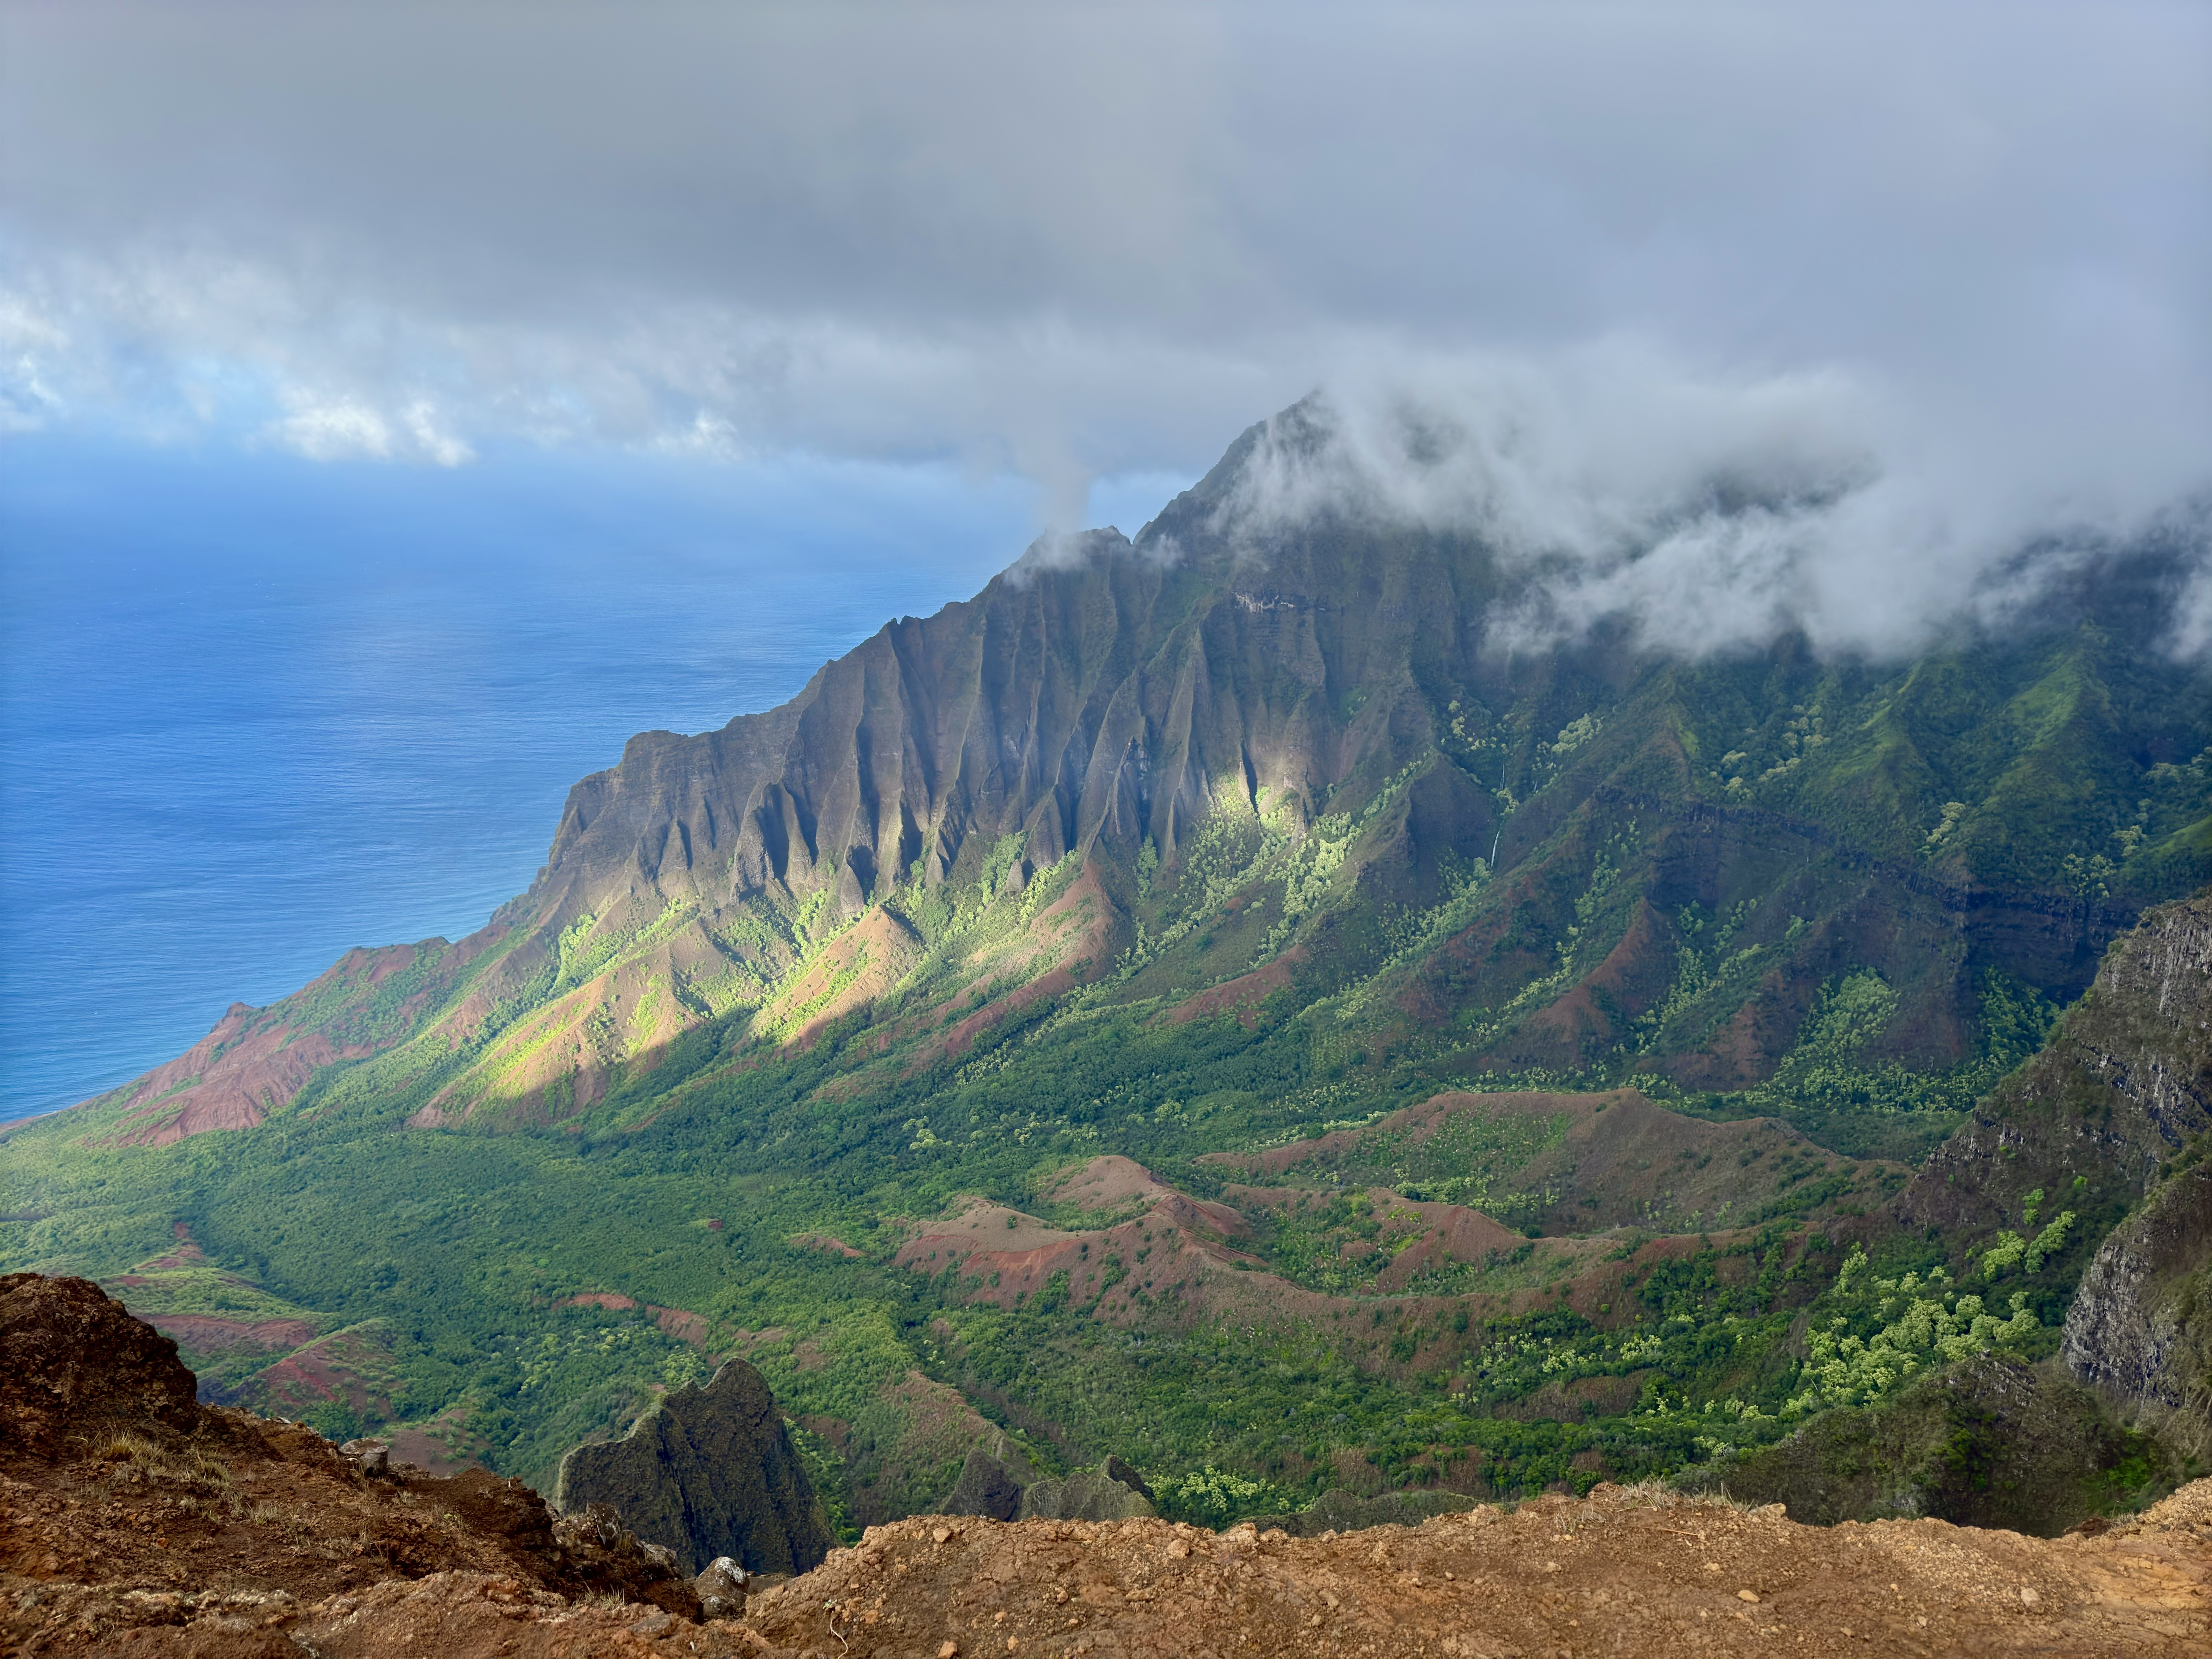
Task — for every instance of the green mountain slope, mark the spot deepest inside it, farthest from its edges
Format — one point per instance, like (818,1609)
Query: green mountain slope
(1183,854)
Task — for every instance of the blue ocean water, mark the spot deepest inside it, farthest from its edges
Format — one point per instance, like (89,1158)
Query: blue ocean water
(255,711)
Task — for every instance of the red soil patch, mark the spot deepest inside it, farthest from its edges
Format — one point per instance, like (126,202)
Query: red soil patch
(331,1368)
(1620,1160)
(1747,1048)
(443,1446)
(231,1079)
(1090,950)
(255,1061)
(1423,1120)
(1108,1183)
(1447,1233)
(206,1334)
(962,1038)
(1242,995)
(1191,1268)
(824,1242)
(884,947)
(1191,1277)
(187,1255)
(1635,977)
(415,1445)
(673,1322)
(745,1344)
(1192,1272)
(684,1326)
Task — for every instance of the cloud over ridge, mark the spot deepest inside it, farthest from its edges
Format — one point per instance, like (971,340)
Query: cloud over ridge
(1901,288)
(1708,515)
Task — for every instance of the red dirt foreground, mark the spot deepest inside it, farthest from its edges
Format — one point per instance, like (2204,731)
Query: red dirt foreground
(136,1522)
(1639,1572)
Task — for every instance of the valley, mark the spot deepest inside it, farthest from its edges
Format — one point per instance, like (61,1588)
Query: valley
(1207,1000)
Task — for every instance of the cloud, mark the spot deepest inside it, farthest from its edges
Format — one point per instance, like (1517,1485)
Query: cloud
(1073,242)
(1709,515)
(334,431)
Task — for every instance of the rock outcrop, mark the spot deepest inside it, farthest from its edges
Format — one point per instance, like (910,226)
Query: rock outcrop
(1005,1487)
(989,1486)
(1112,1491)
(74,1363)
(2140,1330)
(127,1505)
(1339,1511)
(708,1471)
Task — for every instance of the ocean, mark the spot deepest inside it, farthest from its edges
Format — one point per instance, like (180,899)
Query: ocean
(255,711)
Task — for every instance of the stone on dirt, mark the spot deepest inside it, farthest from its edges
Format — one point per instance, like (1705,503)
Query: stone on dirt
(722,1588)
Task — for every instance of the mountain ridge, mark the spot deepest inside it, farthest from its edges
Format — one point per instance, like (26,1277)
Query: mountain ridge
(1248,834)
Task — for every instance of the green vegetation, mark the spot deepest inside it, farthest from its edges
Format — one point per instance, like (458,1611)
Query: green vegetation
(1848,896)
(1934,1325)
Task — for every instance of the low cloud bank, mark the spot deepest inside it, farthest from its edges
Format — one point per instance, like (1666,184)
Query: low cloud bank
(1715,515)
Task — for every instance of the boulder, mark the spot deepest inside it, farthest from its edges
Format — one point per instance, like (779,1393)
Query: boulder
(598,1553)
(708,1472)
(722,1588)
(374,1457)
(987,1488)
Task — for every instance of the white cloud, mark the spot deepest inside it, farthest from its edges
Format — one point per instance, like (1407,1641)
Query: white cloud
(1711,514)
(436,446)
(337,431)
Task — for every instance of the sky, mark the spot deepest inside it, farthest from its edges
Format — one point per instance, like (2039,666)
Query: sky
(1081,246)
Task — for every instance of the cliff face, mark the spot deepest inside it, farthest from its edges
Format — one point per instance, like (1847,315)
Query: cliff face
(707,1472)
(2123,1084)
(2140,1330)
(1989,1443)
